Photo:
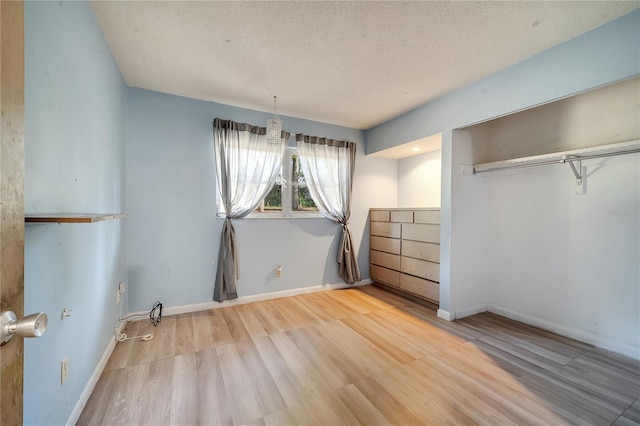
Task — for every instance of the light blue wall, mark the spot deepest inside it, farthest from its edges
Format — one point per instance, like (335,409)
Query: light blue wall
(607,54)
(173,234)
(74,162)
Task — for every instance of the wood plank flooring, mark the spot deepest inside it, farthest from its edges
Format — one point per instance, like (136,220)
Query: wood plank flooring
(358,356)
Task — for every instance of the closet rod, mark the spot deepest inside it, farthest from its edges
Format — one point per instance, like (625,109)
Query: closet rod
(565,159)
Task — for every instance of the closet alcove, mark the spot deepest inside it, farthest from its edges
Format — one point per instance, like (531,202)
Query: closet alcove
(536,244)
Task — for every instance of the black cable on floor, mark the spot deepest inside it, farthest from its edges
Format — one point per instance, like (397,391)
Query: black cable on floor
(156,310)
(155,314)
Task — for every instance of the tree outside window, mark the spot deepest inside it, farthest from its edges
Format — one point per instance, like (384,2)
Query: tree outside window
(291,199)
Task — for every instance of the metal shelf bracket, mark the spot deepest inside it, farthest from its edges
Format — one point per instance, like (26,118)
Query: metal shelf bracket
(570,159)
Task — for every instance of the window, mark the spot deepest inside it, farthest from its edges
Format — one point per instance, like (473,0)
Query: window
(292,200)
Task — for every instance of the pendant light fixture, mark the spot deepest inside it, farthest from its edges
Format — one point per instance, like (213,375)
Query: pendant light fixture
(274,126)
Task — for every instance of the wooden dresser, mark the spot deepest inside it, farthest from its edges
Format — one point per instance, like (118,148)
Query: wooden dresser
(405,250)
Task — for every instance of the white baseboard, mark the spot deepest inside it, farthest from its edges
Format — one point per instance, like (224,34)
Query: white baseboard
(581,335)
(196,307)
(471,311)
(445,315)
(93,380)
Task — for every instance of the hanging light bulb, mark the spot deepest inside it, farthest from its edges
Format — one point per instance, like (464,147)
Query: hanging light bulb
(274,126)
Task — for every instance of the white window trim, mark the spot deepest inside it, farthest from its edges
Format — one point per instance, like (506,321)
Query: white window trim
(287,201)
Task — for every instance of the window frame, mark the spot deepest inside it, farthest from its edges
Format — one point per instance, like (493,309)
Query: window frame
(286,194)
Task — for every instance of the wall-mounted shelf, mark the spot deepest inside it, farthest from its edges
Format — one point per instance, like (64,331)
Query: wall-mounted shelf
(70,217)
(565,157)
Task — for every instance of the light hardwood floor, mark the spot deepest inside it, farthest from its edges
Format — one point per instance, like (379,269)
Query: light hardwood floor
(358,356)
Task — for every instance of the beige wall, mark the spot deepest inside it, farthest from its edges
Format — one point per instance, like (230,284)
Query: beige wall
(603,116)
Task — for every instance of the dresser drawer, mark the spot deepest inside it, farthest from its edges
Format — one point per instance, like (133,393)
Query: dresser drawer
(390,245)
(405,250)
(427,216)
(379,215)
(421,287)
(384,275)
(421,232)
(420,268)
(420,250)
(385,229)
(388,260)
(402,216)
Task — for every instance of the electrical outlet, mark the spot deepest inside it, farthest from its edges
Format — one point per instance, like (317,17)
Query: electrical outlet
(122,287)
(279,271)
(64,370)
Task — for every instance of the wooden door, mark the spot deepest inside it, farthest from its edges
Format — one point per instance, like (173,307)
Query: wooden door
(11,202)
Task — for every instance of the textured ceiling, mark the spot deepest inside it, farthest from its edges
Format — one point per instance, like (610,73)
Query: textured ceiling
(355,64)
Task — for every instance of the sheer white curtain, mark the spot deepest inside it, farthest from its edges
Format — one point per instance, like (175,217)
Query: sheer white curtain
(246,170)
(328,168)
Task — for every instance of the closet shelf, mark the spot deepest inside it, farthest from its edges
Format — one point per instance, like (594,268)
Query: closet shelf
(565,157)
(70,217)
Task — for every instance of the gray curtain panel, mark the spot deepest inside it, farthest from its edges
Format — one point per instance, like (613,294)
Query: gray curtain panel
(246,170)
(328,167)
